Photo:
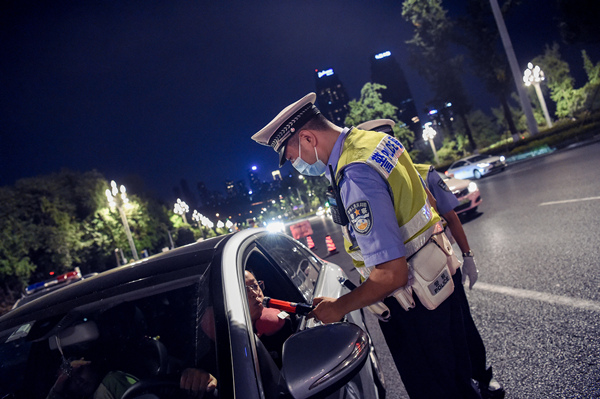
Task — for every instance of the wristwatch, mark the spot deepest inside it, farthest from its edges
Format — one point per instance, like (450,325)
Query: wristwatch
(469,254)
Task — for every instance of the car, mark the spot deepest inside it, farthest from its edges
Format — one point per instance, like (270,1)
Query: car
(189,307)
(466,191)
(41,288)
(476,166)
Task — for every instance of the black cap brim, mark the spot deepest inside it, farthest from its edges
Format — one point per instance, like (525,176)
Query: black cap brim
(282,154)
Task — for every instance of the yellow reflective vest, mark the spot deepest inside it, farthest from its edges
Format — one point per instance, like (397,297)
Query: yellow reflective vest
(416,218)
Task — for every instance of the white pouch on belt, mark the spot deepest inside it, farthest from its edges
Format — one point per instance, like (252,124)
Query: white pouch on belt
(432,276)
(445,245)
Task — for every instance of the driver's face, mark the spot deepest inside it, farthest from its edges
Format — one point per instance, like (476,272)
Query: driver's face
(255,296)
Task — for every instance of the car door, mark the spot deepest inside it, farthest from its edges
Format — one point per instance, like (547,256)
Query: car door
(292,272)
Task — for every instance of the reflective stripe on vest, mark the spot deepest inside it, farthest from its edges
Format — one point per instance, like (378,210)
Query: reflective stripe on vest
(383,153)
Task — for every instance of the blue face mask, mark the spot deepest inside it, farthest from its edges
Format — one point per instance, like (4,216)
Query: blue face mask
(315,169)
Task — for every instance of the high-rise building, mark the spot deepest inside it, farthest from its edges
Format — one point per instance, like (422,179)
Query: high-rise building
(386,70)
(332,98)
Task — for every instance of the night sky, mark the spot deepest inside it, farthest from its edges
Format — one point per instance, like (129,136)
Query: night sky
(166,90)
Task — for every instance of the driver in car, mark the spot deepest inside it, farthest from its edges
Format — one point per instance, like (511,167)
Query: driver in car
(84,379)
(271,325)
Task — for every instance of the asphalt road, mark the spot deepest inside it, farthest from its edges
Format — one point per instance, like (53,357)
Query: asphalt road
(537,301)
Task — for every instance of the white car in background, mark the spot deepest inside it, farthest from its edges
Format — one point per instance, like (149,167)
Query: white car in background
(476,166)
(466,191)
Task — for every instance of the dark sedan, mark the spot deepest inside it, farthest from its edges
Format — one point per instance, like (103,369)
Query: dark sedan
(188,308)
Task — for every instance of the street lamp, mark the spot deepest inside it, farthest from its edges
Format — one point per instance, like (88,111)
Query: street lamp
(118,197)
(428,135)
(181,208)
(533,75)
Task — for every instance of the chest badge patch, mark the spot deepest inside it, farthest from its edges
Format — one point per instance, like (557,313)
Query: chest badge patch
(360,216)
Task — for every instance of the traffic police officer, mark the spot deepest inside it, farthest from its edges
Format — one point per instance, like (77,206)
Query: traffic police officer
(446,202)
(390,220)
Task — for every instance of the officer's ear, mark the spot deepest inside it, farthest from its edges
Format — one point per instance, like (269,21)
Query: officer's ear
(308,136)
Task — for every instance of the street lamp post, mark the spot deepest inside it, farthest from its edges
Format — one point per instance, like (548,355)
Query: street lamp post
(118,197)
(533,75)
(197,217)
(428,135)
(181,208)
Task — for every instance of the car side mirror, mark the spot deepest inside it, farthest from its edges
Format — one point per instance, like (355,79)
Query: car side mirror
(321,360)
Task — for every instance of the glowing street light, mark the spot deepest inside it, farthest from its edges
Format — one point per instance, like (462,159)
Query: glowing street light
(533,75)
(181,208)
(428,135)
(117,197)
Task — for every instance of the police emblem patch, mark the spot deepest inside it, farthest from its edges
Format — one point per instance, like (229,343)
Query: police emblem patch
(442,184)
(360,216)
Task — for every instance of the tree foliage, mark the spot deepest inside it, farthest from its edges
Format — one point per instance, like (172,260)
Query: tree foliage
(430,54)
(371,106)
(560,82)
(61,221)
(479,35)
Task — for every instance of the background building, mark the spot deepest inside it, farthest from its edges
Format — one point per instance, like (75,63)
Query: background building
(386,70)
(332,98)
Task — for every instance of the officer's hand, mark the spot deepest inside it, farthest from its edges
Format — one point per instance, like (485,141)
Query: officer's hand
(197,382)
(326,310)
(469,269)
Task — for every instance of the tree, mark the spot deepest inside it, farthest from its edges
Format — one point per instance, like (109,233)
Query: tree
(370,106)
(560,82)
(579,21)
(61,221)
(592,87)
(478,34)
(485,130)
(430,55)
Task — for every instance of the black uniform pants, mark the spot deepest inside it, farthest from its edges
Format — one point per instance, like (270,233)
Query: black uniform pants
(430,349)
(474,341)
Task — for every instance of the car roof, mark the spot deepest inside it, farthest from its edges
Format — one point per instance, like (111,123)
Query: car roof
(90,289)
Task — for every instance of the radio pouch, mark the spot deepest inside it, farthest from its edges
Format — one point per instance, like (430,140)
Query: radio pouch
(432,277)
(442,241)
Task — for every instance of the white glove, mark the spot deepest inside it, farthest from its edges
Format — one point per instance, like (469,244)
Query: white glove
(469,269)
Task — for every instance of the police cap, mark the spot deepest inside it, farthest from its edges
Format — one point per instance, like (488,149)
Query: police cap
(290,120)
(378,125)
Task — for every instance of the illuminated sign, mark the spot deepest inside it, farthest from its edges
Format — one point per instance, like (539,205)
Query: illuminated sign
(382,55)
(433,112)
(327,72)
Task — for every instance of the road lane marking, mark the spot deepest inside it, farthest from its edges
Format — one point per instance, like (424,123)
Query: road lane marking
(541,296)
(571,200)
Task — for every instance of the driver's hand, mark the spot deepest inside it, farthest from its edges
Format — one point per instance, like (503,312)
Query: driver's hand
(197,382)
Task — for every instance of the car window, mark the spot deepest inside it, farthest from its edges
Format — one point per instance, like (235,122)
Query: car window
(147,333)
(478,158)
(300,265)
(458,164)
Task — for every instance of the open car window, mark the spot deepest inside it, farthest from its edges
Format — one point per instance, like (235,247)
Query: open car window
(299,265)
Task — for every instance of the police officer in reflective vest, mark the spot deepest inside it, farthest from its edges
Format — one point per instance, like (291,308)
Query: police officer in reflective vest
(395,239)
(446,202)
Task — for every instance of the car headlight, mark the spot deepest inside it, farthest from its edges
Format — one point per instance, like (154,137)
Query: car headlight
(502,158)
(472,187)
(483,165)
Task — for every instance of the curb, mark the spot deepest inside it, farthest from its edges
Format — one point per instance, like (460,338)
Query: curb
(546,150)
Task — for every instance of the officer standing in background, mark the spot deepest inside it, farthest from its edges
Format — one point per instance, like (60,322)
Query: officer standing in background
(446,202)
(390,221)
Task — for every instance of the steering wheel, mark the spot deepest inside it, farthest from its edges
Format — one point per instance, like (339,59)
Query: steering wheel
(159,388)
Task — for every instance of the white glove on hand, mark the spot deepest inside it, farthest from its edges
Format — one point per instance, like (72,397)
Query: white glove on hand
(469,269)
